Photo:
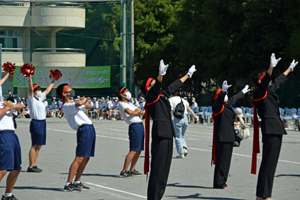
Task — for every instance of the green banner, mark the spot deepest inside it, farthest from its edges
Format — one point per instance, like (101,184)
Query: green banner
(76,77)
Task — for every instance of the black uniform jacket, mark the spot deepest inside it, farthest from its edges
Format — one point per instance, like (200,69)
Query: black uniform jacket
(224,128)
(268,108)
(160,111)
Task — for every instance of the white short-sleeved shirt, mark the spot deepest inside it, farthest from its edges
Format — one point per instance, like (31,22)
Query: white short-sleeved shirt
(96,104)
(176,100)
(76,116)
(6,121)
(129,119)
(116,104)
(109,104)
(37,107)
(92,103)
(194,105)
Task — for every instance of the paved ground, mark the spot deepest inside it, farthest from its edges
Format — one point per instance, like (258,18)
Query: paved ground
(190,178)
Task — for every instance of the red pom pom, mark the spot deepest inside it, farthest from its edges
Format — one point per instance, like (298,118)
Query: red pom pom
(27,70)
(55,74)
(9,67)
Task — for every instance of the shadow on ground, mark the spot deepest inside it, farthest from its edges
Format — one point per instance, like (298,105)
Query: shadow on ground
(198,196)
(187,186)
(34,188)
(290,175)
(102,175)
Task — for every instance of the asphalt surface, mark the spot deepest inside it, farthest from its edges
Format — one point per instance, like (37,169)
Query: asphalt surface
(190,178)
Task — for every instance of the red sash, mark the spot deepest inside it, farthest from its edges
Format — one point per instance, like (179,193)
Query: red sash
(147,123)
(213,156)
(255,148)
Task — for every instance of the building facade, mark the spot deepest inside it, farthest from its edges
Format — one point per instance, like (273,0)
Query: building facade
(28,35)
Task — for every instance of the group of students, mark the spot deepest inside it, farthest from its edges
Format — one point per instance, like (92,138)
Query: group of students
(266,103)
(159,106)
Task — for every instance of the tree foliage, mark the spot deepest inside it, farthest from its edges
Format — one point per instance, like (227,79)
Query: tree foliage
(226,40)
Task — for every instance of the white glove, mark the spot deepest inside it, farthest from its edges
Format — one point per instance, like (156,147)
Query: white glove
(225,86)
(274,61)
(163,68)
(191,71)
(293,65)
(246,89)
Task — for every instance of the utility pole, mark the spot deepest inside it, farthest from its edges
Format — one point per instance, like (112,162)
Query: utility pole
(124,46)
(131,85)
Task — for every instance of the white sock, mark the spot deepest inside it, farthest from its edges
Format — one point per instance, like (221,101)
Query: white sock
(7,195)
(76,182)
(68,183)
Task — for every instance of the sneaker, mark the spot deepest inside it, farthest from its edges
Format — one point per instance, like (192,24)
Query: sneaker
(82,186)
(71,187)
(126,174)
(34,169)
(185,151)
(135,173)
(181,155)
(9,198)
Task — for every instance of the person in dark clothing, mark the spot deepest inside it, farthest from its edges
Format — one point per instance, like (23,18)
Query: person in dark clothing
(224,135)
(266,102)
(158,106)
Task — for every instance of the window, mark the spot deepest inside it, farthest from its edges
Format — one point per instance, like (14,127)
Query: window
(8,39)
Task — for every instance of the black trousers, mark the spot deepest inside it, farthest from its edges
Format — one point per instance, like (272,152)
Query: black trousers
(223,159)
(270,156)
(161,152)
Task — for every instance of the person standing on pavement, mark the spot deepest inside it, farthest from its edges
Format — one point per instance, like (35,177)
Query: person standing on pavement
(130,114)
(86,135)
(224,135)
(179,109)
(38,121)
(10,157)
(158,107)
(267,104)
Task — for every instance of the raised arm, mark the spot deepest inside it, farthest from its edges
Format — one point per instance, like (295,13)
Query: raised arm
(49,88)
(30,86)
(238,96)
(276,84)
(176,85)
(4,79)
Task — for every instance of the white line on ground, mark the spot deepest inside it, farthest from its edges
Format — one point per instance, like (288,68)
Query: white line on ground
(242,155)
(248,156)
(116,190)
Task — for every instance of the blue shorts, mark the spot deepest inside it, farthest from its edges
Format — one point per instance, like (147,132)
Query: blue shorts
(38,132)
(106,110)
(136,136)
(86,139)
(10,151)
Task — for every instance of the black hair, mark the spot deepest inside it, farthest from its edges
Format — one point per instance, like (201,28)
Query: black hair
(37,88)
(60,89)
(255,75)
(143,85)
(118,91)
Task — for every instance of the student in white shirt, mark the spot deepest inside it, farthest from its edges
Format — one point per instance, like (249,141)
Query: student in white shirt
(136,132)
(10,158)
(180,124)
(38,121)
(194,105)
(86,136)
